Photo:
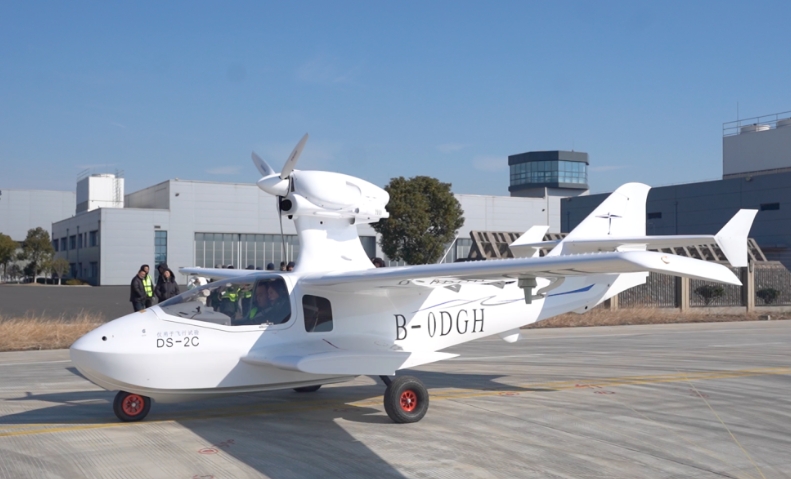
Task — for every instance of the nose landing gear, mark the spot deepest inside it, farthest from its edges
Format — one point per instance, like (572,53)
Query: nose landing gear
(130,407)
(405,399)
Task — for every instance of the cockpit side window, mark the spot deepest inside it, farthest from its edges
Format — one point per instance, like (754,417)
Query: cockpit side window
(264,300)
(318,313)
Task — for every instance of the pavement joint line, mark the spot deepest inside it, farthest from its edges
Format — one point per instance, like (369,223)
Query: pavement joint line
(448,394)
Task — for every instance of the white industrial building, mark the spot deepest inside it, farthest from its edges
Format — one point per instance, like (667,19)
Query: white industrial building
(200,223)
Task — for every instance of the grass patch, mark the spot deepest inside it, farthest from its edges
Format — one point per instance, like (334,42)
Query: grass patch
(620,317)
(45,332)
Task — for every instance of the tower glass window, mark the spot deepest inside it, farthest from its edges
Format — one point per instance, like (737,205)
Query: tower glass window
(537,170)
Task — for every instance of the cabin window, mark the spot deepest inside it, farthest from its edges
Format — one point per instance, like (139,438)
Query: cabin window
(770,206)
(256,301)
(655,216)
(318,314)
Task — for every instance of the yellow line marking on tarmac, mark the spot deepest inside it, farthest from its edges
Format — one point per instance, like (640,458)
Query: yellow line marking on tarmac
(440,395)
(728,429)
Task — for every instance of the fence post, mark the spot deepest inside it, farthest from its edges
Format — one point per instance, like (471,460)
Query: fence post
(614,303)
(748,287)
(682,293)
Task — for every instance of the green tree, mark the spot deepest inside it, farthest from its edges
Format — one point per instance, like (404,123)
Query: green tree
(60,267)
(37,250)
(424,218)
(8,249)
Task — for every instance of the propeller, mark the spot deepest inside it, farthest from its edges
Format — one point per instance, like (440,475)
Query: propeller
(292,159)
(279,185)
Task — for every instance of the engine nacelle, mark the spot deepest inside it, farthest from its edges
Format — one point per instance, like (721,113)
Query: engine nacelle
(334,195)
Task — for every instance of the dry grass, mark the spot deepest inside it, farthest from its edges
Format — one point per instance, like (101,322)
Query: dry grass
(32,332)
(619,317)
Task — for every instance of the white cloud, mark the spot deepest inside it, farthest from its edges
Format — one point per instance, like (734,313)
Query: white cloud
(490,163)
(606,168)
(325,69)
(118,125)
(451,147)
(224,170)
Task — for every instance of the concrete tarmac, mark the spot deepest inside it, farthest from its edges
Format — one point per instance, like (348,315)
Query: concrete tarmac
(662,401)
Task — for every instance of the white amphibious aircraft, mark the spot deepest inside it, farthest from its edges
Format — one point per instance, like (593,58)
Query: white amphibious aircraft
(336,317)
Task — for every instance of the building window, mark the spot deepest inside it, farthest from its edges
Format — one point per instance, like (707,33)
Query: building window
(94,270)
(655,216)
(541,172)
(317,313)
(160,248)
(73,242)
(79,242)
(63,245)
(369,245)
(55,245)
(770,206)
(94,238)
(73,270)
(244,250)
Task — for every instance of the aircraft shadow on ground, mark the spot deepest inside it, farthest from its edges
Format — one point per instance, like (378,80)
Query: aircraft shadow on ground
(284,434)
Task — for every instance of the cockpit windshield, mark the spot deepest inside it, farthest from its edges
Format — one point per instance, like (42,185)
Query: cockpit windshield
(234,302)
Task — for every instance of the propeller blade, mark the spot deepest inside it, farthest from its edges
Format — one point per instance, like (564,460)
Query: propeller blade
(262,166)
(292,159)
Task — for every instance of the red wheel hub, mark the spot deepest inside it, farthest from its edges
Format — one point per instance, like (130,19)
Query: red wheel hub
(408,400)
(132,405)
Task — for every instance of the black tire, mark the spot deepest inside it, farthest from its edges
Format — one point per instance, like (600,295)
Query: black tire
(406,400)
(130,407)
(308,389)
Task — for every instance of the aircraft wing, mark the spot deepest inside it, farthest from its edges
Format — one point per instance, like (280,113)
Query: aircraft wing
(218,273)
(438,275)
(344,355)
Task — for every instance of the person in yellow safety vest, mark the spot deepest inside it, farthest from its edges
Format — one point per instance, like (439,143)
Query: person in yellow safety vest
(256,313)
(149,287)
(228,301)
(247,298)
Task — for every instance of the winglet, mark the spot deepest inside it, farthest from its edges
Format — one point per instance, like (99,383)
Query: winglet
(523,246)
(732,238)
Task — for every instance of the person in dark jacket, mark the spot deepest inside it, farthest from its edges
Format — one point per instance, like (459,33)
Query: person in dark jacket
(138,294)
(167,287)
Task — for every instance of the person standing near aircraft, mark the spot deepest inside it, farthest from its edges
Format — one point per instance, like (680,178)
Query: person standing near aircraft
(149,287)
(137,294)
(167,286)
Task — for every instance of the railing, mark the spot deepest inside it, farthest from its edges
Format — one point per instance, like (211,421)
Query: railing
(734,127)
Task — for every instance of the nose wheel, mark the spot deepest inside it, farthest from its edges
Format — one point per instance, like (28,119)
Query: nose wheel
(130,407)
(406,399)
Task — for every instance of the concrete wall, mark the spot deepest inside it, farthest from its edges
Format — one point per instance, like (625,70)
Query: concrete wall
(21,210)
(755,151)
(157,197)
(703,208)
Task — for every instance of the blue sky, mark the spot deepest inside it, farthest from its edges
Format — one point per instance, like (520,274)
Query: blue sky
(447,89)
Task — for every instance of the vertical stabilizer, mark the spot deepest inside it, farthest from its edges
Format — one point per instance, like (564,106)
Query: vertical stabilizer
(622,214)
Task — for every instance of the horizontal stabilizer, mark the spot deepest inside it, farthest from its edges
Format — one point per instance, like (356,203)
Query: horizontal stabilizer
(732,240)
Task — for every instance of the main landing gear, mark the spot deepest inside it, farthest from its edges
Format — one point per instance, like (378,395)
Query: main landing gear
(131,407)
(405,399)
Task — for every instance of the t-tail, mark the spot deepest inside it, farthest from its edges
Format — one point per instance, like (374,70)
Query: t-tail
(618,224)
